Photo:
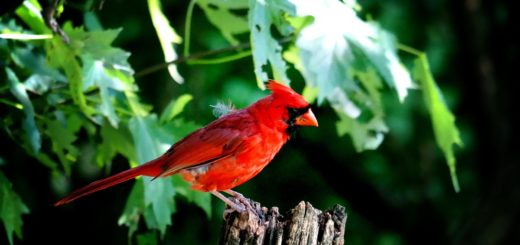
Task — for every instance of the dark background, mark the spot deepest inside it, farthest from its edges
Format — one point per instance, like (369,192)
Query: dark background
(398,194)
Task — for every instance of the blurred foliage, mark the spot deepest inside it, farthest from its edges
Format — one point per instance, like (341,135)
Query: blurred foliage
(80,110)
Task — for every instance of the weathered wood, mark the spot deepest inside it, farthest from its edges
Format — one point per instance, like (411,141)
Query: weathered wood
(303,224)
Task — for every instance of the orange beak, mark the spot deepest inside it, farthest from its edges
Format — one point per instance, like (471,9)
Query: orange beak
(307,119)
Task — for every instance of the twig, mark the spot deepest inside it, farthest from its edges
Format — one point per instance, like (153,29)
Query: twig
(196,56)
(48,16)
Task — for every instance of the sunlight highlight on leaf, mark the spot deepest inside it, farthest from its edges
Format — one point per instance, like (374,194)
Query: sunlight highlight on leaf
(446,132)
(167,37)
(267,53)
(29,123)
(346,57)
(175,107)
(30,13)
(60,55)
(24,36)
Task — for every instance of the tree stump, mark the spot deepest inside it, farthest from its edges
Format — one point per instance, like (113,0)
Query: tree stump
(301,225)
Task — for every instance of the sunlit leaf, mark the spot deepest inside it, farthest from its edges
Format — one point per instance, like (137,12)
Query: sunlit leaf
(30,12)
(345,64)
(340,45)
(62,56)
(11,209)
(175,107)
(97,45)
(267,52)
(137,108)
(167,37)
(24,36)
(95,75)
(446,132)
(29,123)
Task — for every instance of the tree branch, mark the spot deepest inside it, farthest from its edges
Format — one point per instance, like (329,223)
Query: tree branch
(48,16)
(157,67)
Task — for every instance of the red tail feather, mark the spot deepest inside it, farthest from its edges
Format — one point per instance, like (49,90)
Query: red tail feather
(148,169)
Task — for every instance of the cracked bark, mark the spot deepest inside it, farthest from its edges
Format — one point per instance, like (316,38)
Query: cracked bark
(303,224)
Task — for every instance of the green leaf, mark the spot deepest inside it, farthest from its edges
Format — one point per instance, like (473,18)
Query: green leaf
(266,50)
(446,132)
(341,45)
(156,205)
(24,36)
(96,76)
(30,13)
(47,161)
(148,238)
(175,107)
(114,141)
(364,135)
(151,140)
(219,14)
(92,22)
(42,76)
(61,55)
(63,135)
(310,94)
(347,69)
(104,67)
(11,209)
(167,37)
(96,45)
(138,109)
(29,123)
(134,208)
(201,199)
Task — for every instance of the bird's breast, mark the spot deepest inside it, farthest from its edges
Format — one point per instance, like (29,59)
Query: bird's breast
(248,160)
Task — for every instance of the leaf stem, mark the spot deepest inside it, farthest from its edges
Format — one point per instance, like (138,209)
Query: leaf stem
(187,28)
(222,59)
(197,56)
(410,50)
(13,104)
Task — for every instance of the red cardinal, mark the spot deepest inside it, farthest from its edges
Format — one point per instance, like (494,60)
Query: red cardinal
(227,152)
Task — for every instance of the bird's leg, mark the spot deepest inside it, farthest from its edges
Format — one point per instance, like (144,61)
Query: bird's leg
(230,203)
(241,199)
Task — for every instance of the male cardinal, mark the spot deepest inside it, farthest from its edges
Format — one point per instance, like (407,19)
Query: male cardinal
(227,152)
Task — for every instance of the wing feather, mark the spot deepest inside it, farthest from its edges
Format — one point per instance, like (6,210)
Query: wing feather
(218,140)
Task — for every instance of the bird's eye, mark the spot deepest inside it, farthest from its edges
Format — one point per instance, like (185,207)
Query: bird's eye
(296,112)
(292,112)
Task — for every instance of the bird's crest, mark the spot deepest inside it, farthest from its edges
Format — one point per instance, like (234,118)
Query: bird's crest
(278,88)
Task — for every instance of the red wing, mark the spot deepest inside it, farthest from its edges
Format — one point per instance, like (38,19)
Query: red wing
(218,140)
